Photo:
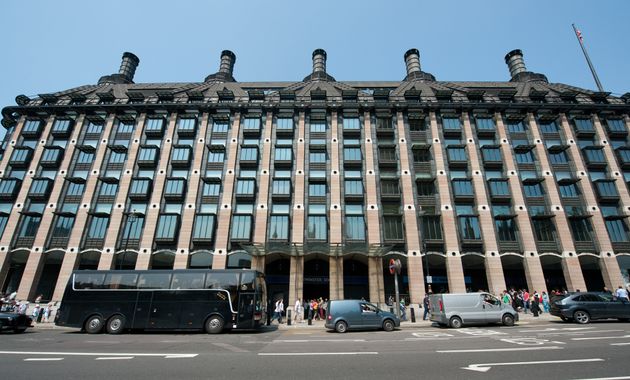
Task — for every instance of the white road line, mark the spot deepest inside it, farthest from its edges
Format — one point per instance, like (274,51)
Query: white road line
(316,340)
(114,358)
(229,347)
(484,367)
(602,337)
(608,378)
(558,329)
(102,341)
(96,354)
(582,332)
(315,353)
(502,349)
(620,344)
(42,359)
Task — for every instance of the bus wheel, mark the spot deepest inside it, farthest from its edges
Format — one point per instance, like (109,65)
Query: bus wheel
(116,324)
(94,324)
(214,324)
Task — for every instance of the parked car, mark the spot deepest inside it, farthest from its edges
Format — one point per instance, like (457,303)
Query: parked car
(16,322)
(584,307)
(458,309)
(344,315)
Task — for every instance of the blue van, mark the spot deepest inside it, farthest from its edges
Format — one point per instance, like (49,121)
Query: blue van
(344,315)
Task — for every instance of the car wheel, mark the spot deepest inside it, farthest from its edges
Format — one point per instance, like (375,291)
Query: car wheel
(388,325)
(116,324)
(581,317)
(341,327)
(508,320)
(455,322)
(214,324)
(94,324)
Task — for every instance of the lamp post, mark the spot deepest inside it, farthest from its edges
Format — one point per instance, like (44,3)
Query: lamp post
(131,219)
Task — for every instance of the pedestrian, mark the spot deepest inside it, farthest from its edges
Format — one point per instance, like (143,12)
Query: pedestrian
(621,294)
(298,311)
(403,310)
(315,309)
(35,312)
(47,311)
(526,301)
(535,305)
(22,307)
(545,301)
(506,298)
(38,299)
(311,309)
(425,303)
(280,310)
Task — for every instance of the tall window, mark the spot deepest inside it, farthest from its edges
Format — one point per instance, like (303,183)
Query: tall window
(216,156)
(249,154)
(353,187)
(468,223)
(63,226)
(317,189)
(317,157)
(544,229)
(581,229)
(515,126)
(354,222)
(168,227)
(283,154)
(485,124)
(220,126)
(318,126)
(317,224)
(451,123)
(98,227)
(392,222)
(204,227)
(456,154)
(108,189)
(279,222)
(29,227)
(351,123)
(506,227)
(548,127)
(462,187)
(285,124)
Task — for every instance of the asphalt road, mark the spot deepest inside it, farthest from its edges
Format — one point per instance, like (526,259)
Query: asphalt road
(536,350)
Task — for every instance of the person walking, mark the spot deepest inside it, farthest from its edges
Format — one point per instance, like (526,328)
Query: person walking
(535,305)
(545,301)
(298,311)
(621,294)
(526,301)
(280,310)
(403,310)
(425,303)
(47,311)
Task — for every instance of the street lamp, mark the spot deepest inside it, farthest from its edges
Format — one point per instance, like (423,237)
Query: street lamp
(131,219)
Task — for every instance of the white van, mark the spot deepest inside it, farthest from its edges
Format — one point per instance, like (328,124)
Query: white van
(458,309)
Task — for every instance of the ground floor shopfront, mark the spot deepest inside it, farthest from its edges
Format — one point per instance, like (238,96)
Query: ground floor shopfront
(331,275)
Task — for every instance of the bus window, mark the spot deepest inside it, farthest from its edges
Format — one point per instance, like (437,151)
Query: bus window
(188,281)
(247,281)
(120,281)
(88,281)
(154,281)
(227,281)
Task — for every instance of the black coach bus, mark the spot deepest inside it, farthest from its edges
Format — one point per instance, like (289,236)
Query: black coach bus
(186,299)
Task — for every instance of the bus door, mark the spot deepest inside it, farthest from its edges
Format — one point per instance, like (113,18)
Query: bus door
(142,310)
(246,308)
(165,310)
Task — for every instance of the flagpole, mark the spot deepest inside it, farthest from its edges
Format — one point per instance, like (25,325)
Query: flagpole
(578,35)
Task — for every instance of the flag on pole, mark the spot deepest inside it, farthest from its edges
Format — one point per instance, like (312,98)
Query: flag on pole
(579,35)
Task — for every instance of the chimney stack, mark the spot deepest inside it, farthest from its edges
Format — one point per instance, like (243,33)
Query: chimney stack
(128,65)
(515,62)
(319,61)
(412,60)
(227,62)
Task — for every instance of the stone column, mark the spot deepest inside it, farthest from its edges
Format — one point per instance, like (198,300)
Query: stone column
(296,276)
(336,223)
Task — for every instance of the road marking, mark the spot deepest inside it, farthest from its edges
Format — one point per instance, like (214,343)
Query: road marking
(114,358)
(501,349)
(102,342)
(620,344)
(316,340)
(485,367)
(582,332)
(315,353)
(608,378)
(558,329)
(526,341)
(169,356)
(480,332)
(430,334)
(229,347)
(42,359)
(602,337)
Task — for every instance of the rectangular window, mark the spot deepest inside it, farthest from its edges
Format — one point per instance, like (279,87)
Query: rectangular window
(616,125)
(485,124)
(469,227)
(581,229)
(558,158)
(533,190)
(432,227)
(281,187)
(350,124)
(117,157)
(204,227)
(491,154)
(220,126)
(317,157)
(181,154)
(317,189)
(249,154)
(187,125)
(167,228)
(594,156)
(285,124)
(617,230)
(98,227)
(251,124)
(317,228)
(390,187)
(393,227)
(548,127)
(148,153)
(63,226)
(417,124)
(29,227)
(241,227)
(353,187)
(61,127)
(245,187)
(283,154)
(85,157)
(544,229)
(211,189)
(421,155)
(216,156)
(154,125)
(584,125)
(384,123)
(32,128)
(75,189)
(279,227)
(133,227)
(318,126)
(352,154)
(451,124)
(175,187)
(108,189)
(457,154)
(515,126)
(425,188)
(568,191)
(525,157)
(387,154)
(506,229)
(125,127)
(606,188)
(94,128)
(462,187)
(499,188)
(355,227)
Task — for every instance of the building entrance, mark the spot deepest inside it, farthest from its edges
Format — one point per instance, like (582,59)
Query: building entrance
(592,273)
(277,269)
(355,278)
(514,272)
(316,278)
(552,270)
(474,266)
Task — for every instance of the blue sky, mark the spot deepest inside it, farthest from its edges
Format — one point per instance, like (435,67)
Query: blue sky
(54,45)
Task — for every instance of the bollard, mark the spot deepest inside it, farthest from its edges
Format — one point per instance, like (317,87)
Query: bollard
(310,320)
(413,315)
(268,319)
(289,317)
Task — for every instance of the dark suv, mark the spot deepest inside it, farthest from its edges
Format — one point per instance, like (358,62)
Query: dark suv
(344,315)
(586,306)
